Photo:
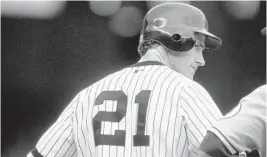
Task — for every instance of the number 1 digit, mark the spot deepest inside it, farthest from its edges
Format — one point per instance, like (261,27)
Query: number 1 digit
(140,139)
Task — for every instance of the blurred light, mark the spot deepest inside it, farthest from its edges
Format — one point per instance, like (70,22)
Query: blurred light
(32,9)
(127,22)
(263,31)
(243,10)
(151,4)
(105,8)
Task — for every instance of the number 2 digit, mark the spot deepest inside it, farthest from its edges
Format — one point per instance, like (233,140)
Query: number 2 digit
(118,139)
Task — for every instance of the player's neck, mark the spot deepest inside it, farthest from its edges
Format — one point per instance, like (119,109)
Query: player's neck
(153,55)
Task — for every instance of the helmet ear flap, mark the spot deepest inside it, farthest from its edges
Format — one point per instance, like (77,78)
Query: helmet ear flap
(172,42)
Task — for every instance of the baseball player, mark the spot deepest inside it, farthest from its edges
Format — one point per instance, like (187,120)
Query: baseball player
(150,109)
(242,130)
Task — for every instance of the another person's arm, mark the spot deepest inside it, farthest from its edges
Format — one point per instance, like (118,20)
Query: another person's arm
(241,130)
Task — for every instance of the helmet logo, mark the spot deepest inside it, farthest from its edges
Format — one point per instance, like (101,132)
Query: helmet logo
(159,22)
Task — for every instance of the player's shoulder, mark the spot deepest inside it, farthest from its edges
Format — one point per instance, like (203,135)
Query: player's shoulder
(96,84)
(188,84)
(194,88)
(191,85)
(107,77)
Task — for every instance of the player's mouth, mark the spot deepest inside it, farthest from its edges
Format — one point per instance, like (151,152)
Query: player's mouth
(194,68)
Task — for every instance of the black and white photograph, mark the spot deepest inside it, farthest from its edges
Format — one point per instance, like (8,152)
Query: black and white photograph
(133,78)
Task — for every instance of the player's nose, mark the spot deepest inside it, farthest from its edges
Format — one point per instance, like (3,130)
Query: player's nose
(200,59)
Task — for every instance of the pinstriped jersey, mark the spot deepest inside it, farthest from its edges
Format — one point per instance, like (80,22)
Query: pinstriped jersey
(146,110)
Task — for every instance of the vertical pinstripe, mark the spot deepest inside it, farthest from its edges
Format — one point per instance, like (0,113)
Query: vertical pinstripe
(175,115)
(114,79)
(179,111)
(166,113)
(153,83)
(142,88)
(131,75)
(131,100)
(152,73)
(115,88)
(159,112)
(103,108)
(76,129)
(59,136)
(41,142)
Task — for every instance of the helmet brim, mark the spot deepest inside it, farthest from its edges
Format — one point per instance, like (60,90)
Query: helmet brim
(212,41)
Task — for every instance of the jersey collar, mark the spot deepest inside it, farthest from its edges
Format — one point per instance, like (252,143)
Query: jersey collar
(144,63)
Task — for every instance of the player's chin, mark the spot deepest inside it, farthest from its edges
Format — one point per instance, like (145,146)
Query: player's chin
(190,75)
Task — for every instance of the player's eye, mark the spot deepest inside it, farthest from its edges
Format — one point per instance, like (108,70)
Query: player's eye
(199,47)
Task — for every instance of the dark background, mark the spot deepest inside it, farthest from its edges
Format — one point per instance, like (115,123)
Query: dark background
(45,63)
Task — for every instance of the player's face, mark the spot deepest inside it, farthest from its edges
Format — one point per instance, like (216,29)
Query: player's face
(188,62)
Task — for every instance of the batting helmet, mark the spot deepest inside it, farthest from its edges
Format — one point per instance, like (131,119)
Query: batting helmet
(174,25)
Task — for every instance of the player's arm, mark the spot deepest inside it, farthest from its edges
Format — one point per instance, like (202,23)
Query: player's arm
(199,111)
(58,140)
(241,130)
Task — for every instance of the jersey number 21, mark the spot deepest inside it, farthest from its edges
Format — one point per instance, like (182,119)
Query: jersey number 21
(118,139)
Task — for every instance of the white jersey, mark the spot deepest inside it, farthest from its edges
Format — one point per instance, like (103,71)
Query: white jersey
(244,128)
(146,110)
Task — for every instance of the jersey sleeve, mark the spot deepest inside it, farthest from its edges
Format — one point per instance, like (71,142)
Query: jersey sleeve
(199,111)
(58,140)
(243,129)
